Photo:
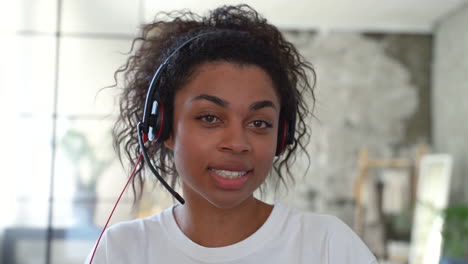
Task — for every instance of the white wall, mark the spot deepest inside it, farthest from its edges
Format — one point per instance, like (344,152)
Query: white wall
(449,96)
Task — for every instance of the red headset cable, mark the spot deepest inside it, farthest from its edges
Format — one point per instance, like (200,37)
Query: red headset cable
(113,209)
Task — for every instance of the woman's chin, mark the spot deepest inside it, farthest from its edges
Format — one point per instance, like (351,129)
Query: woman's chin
(228,202)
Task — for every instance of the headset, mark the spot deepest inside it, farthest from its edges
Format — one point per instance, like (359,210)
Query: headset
(154,124)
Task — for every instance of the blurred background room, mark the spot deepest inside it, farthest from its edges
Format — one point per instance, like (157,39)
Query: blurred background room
(388,151)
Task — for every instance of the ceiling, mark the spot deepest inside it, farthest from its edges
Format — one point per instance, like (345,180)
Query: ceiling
(412,16)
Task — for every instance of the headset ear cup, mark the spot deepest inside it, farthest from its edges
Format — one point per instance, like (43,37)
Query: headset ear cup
(160,122)
(165,124)
(156,121)
(282,136)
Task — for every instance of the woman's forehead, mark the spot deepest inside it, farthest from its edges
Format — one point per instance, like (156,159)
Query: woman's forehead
(231,82)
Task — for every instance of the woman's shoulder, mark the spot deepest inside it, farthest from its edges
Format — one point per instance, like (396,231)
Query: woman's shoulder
(123,242)
(317,221)
(329,233)
(326,225)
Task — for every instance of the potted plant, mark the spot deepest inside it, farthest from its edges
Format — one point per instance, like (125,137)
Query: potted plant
(88,167)
(455,235)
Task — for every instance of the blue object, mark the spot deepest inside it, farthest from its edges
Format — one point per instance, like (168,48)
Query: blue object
(449,260)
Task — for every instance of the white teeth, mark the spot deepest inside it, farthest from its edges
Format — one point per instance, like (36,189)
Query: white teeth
(229,174)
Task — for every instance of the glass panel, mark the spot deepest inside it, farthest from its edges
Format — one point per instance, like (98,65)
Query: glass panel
(71,249)
(104,16)
(34,74)
(30,151)
(86,66)
(89,215)
(24,192)
(78,223)
(24,240)
(37,15)
(88,180)
(86,164)
(30,213)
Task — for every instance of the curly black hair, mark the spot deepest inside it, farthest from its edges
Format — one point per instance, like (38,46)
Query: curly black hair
(242,37)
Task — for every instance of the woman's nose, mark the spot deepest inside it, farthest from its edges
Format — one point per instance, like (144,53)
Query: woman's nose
(235,139)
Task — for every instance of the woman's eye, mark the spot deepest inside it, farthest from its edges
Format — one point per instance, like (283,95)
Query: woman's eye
(209,119)
(261,124)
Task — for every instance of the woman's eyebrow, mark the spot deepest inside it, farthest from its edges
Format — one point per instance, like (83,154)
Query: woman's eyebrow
(262,104)
(223,103)
(211,98)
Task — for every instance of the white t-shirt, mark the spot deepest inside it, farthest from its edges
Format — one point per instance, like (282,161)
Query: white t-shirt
(288,236)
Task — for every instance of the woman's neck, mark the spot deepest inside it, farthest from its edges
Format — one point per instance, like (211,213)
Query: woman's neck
(211,226)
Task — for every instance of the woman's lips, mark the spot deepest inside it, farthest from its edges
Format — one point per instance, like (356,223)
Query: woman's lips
(227,183)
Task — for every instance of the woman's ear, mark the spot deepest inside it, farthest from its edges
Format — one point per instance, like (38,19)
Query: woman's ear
(169,143)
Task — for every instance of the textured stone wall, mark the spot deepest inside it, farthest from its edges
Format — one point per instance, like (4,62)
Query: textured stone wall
(372,91)
(450,96)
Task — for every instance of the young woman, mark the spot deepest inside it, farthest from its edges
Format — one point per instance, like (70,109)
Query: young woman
(221,98)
